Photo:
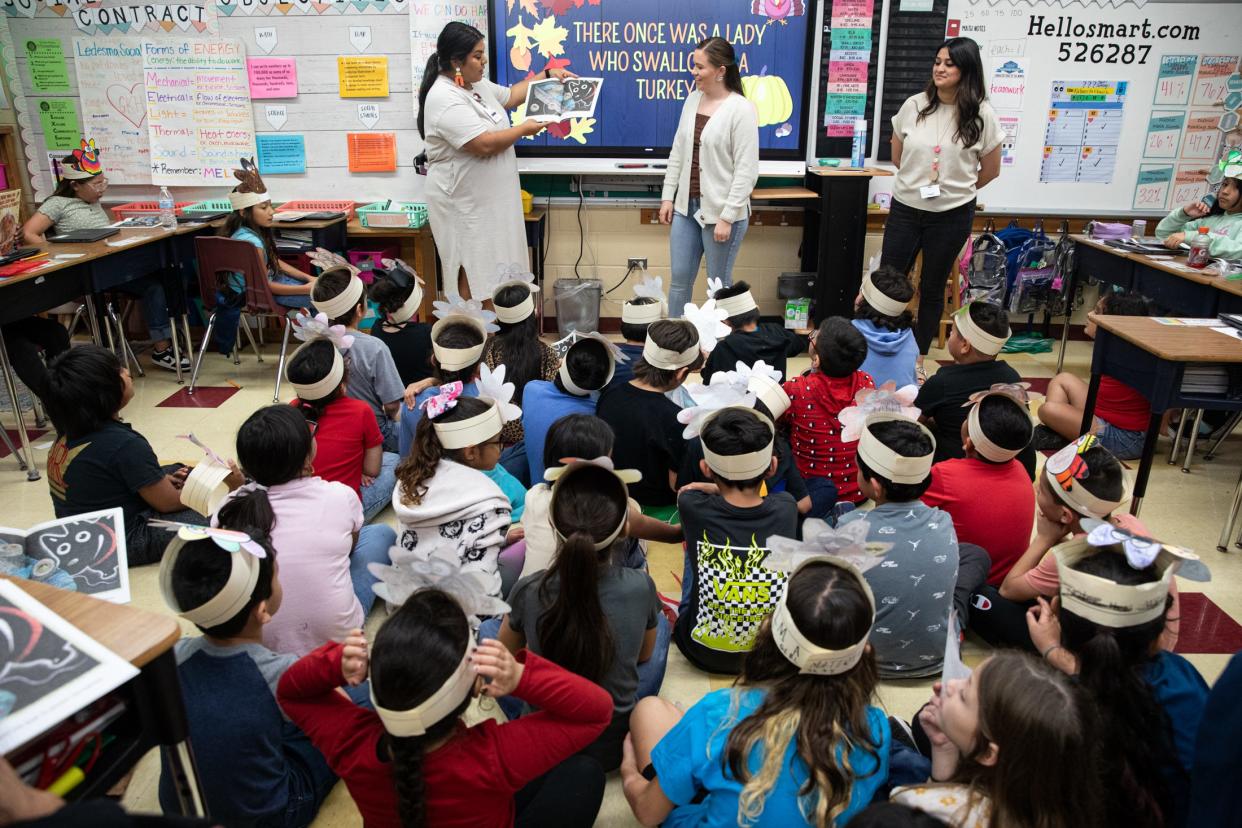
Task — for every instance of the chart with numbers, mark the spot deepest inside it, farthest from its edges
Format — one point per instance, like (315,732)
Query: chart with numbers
(1083,131)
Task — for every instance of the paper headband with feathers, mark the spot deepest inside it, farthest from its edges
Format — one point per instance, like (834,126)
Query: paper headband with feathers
(709,321)
(250,189)
(313,328)
(888,398)
(454,305)
(327,260)
(441,569)
(83,162)
(721,392)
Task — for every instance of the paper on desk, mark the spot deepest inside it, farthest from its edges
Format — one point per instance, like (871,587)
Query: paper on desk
(1184,321)
(126,241)
(1233,333)
(68,256)
(50,670)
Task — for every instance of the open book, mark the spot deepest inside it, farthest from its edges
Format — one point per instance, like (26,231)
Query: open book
(552,100)
(83,553)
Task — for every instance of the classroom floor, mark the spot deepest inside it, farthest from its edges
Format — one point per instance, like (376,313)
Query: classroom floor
(1187,509)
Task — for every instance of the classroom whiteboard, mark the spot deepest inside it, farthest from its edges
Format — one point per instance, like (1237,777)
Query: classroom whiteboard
(1107,109)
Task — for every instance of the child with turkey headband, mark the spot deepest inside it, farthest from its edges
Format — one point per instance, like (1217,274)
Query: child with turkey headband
(648,305)
(882,317)
(797,740)
(517,345)
(412,760)
(398,292)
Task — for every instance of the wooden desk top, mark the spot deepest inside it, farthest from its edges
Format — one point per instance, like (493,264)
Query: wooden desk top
(843,172)
(535,214)
(135,635)
(1173,342)
(90,251)
(1172,265)
(774,193)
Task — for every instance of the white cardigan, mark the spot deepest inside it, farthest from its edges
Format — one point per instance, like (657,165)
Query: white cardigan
(728,159)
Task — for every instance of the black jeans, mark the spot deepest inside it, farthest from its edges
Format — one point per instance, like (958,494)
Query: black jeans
(568,796)
(24,339)
(940,237)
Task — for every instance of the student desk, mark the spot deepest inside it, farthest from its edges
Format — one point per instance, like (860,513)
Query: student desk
(326,233)
(145,640)
(1151,358)
(834,235)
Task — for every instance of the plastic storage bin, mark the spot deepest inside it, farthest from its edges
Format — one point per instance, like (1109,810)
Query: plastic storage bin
(407,214)
(211,205)
(366,260)
(318,206)
(144,208)
(577,304)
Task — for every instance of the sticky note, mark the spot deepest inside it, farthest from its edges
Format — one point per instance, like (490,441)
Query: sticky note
(59,119)
(363,76)
(272,77)
(45,60)
(372,151)
(281,153)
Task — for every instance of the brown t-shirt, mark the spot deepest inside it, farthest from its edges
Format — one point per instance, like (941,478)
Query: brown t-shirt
(700,121)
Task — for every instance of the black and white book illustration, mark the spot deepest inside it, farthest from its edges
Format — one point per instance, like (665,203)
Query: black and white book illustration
(49,669)
(552,100)
(83,553)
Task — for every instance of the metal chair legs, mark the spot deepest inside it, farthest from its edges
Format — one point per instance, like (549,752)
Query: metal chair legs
(1177,439)
(1222,542)
(280,365)
(1226,430)
(1190,445)
(198,362)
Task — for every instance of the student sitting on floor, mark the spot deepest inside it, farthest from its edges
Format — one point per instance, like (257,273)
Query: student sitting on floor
(1010,746)
(99,462)
(398,292)
(1083,480)
(751,340)
(373,376)
(457,343)
(725,590)
(1106,631)
(256,768)
(412,760)
(32,343)
(349,446)
(75,205)
(1122,414)
(1223,219)
(636,316)
(926,573)
(881,315)
(816,399)
(987,492)
(644,420)
(587,612)
(585,371)
(316,527)
(980,331)
(796,741)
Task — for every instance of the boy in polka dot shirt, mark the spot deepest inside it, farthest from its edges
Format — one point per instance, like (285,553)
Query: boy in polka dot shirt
(826,462)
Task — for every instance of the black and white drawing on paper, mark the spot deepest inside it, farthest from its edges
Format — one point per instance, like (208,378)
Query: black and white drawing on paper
(83,553)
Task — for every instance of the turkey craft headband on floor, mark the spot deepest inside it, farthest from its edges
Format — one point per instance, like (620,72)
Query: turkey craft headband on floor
(846,549)
(614,353)
(880,300)
(458,311)
(251,190)
(652,287)
(245,554)
(574,465)
(887,463)
(514,276)
(1017,394)
(311,329)
(1107,602)
(83,163)
(978,338)
(1067,469)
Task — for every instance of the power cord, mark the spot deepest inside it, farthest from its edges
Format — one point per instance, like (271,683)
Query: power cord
(581,230)
(628,271)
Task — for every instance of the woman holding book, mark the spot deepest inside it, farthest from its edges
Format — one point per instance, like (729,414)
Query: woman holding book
(473,195)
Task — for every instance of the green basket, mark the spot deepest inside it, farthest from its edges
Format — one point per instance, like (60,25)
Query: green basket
(211,205)
(395,214)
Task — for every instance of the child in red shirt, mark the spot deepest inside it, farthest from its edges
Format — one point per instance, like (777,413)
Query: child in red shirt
(413,759)
(1122,414)
(816,399)
(988,492)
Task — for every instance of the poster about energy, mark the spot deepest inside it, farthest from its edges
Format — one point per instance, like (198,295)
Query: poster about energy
(643,49)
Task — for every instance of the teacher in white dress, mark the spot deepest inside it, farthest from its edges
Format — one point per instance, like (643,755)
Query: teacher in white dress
(473,195)
(946,146)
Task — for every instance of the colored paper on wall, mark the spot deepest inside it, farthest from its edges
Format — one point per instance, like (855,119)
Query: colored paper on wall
(1211,81)
(363,76)
(281,153)
(372,151)
(1009,123)
(1174,79)
(1190,183)
(1151,189)
(1083,131)
(1007,85)
(857,39)
(1164,134)
(45,60)
(1202,142)
(114,104)
(59,119)
(272,77)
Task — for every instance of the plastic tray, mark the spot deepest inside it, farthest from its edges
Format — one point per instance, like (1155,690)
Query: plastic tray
(318,206)
(397,214)
(211,205)
(145,208)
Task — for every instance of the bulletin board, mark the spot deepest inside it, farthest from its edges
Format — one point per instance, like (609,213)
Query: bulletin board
(848,62)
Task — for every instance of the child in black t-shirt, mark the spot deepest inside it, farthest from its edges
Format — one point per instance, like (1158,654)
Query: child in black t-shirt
(398,292)
(99,462)
(751,340)
(726,592)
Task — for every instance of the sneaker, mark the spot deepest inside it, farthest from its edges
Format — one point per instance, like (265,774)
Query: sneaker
(1045,439)
(165,359)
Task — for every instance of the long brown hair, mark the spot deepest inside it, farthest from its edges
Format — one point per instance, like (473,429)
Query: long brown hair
(574,632)
(822,715)
(419,466)
(245,218)
(720,52)
(964,53)
(1033,713)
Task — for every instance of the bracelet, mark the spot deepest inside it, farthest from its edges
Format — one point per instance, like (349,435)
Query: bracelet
(1044,654)
(547,73)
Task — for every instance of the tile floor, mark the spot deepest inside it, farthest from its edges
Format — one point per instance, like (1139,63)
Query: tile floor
(1188,509)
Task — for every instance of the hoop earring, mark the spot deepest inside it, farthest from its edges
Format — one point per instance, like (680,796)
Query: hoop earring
(458,79)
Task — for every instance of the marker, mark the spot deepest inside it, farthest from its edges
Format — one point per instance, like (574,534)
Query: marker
(632,166)
(659,166)
(235,385)
(67,782)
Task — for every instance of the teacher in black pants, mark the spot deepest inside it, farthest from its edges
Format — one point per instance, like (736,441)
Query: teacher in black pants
(946,145)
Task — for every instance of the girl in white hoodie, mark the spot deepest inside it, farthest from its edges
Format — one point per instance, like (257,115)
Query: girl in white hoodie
(443,498)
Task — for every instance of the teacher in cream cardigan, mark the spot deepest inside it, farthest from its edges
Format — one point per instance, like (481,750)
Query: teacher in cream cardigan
(712,170)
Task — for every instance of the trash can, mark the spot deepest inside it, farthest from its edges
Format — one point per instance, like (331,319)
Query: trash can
(577,304)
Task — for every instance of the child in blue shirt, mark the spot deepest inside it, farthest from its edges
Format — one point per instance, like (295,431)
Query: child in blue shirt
(881,316)
(716,763)
(636,315)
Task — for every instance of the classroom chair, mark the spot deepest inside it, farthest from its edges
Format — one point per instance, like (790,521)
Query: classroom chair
(218,258)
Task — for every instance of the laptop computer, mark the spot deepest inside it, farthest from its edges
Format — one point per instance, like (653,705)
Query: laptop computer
(81,236)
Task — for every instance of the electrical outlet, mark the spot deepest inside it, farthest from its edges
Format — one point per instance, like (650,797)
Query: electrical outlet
(637,263)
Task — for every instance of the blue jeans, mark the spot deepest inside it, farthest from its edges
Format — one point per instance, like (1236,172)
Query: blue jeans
(651,671)
(1125,444)
(688,243)
(374,542)
(823,494)
(515,462)
(379,494)
(310,782)
(154,305)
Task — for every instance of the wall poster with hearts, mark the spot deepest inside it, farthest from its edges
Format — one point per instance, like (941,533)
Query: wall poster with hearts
(114,104)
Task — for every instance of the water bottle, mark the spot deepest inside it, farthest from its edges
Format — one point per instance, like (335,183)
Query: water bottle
(1138,229)
(168,216)
(1199,256)
(858,153)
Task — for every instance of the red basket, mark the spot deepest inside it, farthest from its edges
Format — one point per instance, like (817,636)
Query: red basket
(144,208)
(317,206)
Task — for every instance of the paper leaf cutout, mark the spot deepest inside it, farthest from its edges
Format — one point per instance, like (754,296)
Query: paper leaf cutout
(580,128)
(521,35)
(709,320)
(549,37)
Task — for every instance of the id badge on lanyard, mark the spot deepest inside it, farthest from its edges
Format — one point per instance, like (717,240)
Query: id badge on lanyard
(495,116)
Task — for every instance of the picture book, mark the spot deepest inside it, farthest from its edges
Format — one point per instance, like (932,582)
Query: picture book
(553,100)
(82,553)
